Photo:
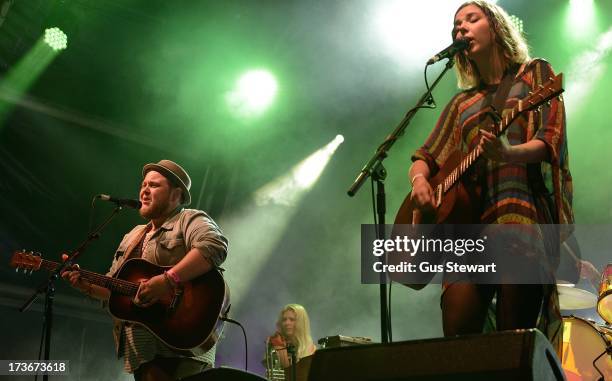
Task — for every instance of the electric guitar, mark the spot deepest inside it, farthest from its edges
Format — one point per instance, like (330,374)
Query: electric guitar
(452,200)
(188,320)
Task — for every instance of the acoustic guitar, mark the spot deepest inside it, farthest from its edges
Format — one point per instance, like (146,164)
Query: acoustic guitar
(190,319)
(452,199)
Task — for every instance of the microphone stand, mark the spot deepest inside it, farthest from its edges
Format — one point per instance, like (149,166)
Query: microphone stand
(374,168)
(48,287)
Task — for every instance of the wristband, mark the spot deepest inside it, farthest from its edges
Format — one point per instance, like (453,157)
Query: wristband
(172,274)
(171,285)
(415,177)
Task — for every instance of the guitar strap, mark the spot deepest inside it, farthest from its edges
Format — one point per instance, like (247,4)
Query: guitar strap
(498,103)
(543,199)
(499,99)
(135,248)
(504,88)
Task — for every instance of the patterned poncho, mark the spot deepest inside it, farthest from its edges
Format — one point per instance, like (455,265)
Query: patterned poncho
(509,187)
(513,193)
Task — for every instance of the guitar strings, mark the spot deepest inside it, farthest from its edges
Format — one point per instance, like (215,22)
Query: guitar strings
(124,286)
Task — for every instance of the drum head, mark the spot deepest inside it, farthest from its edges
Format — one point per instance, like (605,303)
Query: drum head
(583,342)
(604,306)
(604,302)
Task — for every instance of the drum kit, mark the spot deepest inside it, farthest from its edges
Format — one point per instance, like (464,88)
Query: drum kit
(587,346)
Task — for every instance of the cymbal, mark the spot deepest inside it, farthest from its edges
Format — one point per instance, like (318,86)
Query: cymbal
(572,298)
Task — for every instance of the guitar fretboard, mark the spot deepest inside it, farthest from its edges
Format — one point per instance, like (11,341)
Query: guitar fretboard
(545,92)
(120,286)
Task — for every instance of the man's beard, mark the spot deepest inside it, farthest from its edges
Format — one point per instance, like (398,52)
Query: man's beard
(153,213)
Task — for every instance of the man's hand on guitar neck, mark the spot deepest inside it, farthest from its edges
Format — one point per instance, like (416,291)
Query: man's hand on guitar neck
(73,276)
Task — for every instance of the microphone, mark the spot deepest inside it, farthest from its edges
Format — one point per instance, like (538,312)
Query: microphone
(457,46)
(134,204)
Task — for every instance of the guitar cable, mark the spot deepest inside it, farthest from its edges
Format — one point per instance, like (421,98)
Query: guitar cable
(246,346)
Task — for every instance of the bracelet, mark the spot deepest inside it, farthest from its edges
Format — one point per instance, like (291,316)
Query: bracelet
(171,286)
(172,274)
(415,177)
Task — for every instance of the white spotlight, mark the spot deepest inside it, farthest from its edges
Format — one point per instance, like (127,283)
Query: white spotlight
(287,189)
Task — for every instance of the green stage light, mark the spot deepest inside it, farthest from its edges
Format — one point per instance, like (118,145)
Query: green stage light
(518,23)
(25,72)
(254,93)
(56,39)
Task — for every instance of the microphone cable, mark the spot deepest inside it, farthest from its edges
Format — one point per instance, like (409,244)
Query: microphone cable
(246,342)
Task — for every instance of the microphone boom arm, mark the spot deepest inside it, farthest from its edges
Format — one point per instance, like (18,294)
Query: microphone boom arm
(381,152)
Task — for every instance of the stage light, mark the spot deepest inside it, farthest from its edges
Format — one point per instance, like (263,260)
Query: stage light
(253,94)
(412,31)
(518,23)
(580,19)
(28,69)
(310,169)
(286,190)
(56,39)
(263,222)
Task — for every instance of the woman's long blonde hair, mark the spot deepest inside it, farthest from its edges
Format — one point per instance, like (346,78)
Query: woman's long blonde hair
(301,336)
(509,44)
